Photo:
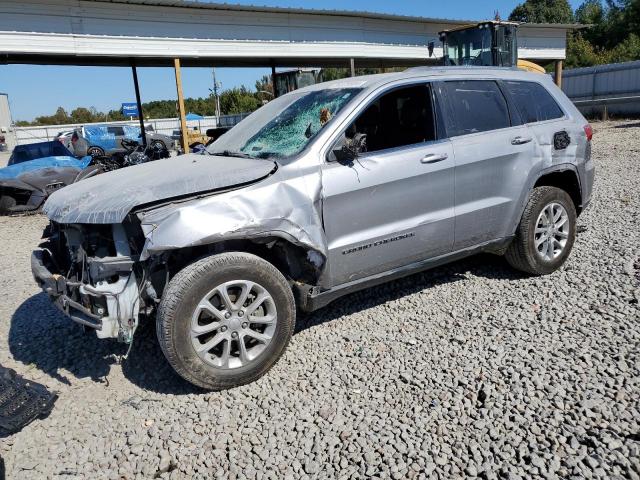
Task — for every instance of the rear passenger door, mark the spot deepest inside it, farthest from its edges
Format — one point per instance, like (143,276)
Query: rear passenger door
(493,157)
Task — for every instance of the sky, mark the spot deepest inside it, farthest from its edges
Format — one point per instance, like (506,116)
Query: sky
(38,90)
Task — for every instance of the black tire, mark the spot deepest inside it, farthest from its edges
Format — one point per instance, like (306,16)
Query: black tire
(190,286)
(158,144)
(7,202)
(90,171)
(95,152)
(522,253)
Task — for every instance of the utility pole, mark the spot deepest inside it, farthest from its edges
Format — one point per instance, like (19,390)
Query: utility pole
(216,98)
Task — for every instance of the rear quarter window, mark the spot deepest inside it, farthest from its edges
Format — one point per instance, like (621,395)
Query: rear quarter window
(475,106)
(533,102)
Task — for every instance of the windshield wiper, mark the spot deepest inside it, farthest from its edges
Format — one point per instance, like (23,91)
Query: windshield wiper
(229,153)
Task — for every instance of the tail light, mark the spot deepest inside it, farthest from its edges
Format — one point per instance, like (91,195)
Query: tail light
(588,131)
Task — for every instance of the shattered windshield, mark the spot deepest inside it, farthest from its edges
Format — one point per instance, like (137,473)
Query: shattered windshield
(284,126)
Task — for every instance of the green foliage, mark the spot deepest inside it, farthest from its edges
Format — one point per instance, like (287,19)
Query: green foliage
(238,100)
(611,35)
(235,100)
(264,87)
(543,11)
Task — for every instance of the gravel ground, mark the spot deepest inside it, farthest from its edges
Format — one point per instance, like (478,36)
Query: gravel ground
(467,370)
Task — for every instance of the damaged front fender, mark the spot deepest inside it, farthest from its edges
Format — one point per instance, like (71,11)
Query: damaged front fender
(289,209)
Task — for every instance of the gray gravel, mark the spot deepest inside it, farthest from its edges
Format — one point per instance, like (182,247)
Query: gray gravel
(467,370)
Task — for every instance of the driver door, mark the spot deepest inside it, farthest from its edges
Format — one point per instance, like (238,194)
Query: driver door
(394,205)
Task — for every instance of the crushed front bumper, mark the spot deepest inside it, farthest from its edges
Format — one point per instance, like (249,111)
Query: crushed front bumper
(59,290)
(109,308)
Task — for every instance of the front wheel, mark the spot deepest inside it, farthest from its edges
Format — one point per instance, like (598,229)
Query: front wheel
(546,232)
(225,320)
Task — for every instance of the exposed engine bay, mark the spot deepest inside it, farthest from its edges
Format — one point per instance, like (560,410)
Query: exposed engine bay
(95,278)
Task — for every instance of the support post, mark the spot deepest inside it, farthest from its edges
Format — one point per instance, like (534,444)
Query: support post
(143,134)
(273,81)
(558,73)
(181,114)
(353,67)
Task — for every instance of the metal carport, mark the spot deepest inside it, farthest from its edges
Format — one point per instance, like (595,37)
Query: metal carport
(188,33)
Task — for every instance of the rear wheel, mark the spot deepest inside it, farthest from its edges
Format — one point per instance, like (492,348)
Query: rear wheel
(158,144)
(546,232)
(225,320)
(95,152)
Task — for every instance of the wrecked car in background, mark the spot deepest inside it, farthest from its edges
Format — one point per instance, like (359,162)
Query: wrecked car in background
(100,140)
(34,171)
(323,191)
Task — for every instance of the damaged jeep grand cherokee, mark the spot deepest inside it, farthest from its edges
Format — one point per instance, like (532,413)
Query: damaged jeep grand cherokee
(321,192)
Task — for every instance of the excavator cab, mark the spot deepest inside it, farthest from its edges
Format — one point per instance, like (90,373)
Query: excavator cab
(492,43)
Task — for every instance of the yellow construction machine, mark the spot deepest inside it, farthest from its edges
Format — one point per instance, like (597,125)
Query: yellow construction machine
(490,43)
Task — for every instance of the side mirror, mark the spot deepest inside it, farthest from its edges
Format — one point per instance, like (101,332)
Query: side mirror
(350,148)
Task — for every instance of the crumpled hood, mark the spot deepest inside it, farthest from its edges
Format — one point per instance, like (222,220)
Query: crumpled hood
(109,197)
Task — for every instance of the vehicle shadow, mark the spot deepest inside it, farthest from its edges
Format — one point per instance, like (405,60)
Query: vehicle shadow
(42,337)
(628,125)
(482,265)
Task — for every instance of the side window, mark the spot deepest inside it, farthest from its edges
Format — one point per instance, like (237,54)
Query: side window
(533,101)
(117,131)
(475,106)
(403,116)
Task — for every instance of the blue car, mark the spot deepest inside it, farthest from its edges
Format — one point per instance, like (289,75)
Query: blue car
(36,170)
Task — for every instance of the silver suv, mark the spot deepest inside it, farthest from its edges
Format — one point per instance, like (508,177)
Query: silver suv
(321,192)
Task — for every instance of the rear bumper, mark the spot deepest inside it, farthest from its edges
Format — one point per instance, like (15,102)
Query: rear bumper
(61,291)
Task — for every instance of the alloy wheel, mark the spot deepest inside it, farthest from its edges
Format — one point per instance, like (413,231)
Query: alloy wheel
(552,231)
(233,324)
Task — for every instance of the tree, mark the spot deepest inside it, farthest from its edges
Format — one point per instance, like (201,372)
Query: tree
(238,100)
(592,13)
(82,115)
(61,116)
(543,11)
(582,53)
(265,84)
(611,35)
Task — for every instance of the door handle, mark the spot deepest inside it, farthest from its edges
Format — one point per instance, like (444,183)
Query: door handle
(520,140)
(434,157)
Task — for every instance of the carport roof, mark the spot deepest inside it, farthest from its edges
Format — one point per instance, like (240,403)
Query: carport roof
(317,11)
(155,32)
